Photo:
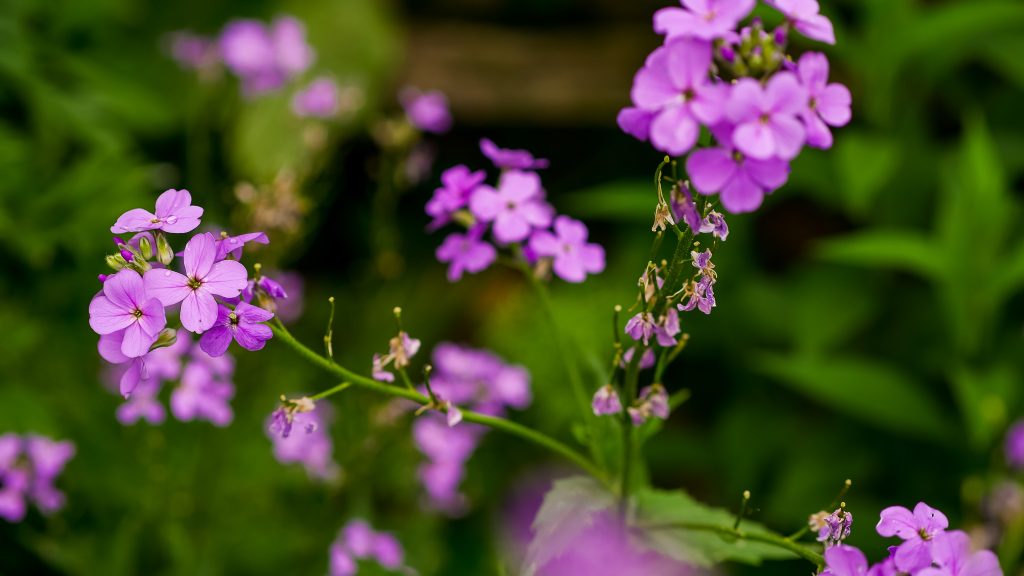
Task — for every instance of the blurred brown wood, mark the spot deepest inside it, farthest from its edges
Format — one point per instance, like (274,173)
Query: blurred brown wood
(570,76)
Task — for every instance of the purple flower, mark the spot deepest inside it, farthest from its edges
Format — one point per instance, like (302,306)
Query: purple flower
(606,401)
(135,370)
(204,278)
(427,111)
(317,100)
(126,307)
(457,183)
(312,449)
(674,87)
(766,119)
(635,122)
(573,257)
(741,181)
(516,207)
(843,560)
(827,105)
(244,324)
(175,214)
(643,327)
(917,529)
(359,540)
(466,253)
(701,296)
(510,159)
(28,468)
(264,58)
(704,19)
(684,209)
(202,395)
(233,245)
(401,349)
(192,51)
(388,551)
(951,555)
(804,14)
(835,527)
(715,224)
(646,360)
(655,400)
(341,562)
(1014,447)
(143,404)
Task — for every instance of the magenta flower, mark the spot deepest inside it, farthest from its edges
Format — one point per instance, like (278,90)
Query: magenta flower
(917,529)
(511,159)
(427,111)
(715,224)
(843,560)
(835,527)
(703,19)
(317,100)
(192,51)
(465,253)
(244,324)
(233,245)
(110,350)
(573,257)
(828,104)
(313,449)
(202,396)
(701,296)
(143,404)
(265,57)
(175,214)
(204,278)
(606,401)
(341,562)
(767,119)
(741,181)
(1014,448)
(674,87)
(635,122)
(643,327)
(125,305)
(457,183)
(655,400)
(951,556)
(28,468)
(516,207)
(647,359)
(805,16)
(359,540)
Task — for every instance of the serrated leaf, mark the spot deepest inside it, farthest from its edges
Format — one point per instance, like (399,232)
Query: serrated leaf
(700,547)
(874,392)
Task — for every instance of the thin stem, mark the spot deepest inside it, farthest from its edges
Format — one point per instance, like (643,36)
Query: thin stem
(630,385)
(331,391)
(764,537)
(281,333)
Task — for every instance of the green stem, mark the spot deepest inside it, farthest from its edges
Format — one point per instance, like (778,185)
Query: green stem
(282,334)
(764,537)
(630,385)
(331,391)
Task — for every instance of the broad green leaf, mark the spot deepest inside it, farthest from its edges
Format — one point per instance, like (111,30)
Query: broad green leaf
(983,396)
(658,509)
(872,391)
(885,249)
(865,163)
(565,513)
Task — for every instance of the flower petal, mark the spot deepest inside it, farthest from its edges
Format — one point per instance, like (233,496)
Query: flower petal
(216,340)
(167,286)
(226,278)
(200,254)
(198,311)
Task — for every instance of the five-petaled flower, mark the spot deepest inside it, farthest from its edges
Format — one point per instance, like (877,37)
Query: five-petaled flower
(917,529)
(175,214)
(125,306)
(244,324)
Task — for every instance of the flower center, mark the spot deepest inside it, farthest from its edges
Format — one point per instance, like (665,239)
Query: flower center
(765,118)
(689,94)
(924,534)
(194,283)
(137,313)
(510,205)
(812,103)
(233,318)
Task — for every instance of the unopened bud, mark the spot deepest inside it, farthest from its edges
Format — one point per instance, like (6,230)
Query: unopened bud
(727,54)
(145,247)
(164,252)
(167,337)
(127,255)
(102,277)
(116,262)
(781,35)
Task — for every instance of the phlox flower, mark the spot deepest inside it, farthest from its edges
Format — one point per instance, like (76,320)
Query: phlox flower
(244,324)
(202,395)
(427,111)
(511,159)
(806,18)
(175,214)
(232,245)
(265,57)
(701,295)
(204,278)
(827,105)
(516,207)
(673,86)
(320,99)
(741,181)
(457,183)
(952,556)
(843,560)
(573,256)
(917,529)
(766,118)
(312,448)
(704,19)
(126,308)
(466,253)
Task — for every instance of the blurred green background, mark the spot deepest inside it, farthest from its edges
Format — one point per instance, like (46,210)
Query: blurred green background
(870,317)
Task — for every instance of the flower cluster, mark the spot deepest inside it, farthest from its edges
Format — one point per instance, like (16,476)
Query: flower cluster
(471,378)
(311,446)
(517,215)
(927,549)
(29,465)
(211,298)
(204,384)
(741,84)
(359,541)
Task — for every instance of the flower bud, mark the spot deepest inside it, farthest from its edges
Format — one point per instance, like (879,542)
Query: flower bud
(116,262)
(127,255)
(164,252)
(102,278)
(145,247)
(167,337)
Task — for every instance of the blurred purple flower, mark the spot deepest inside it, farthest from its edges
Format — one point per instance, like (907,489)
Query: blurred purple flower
(843,560)
(805,16)
(175,214)
(427,111)
(317,100)
(29,466)
(827,105)
(359,540)
(511,159)
(1014,447)
(192,51)
(263,57)
(202,394)
(313,448)
(606,401)
(646,360)
(233,245)
(466,253)
(704,19)
(741,181)
(457,183)
(952,556)
(516,207)
(573,256)
(245,324)
(767,118)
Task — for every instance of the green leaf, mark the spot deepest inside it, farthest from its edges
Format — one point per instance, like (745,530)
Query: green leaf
(699,547)
(886,249)
(874,392)
(624,201)
(567,510)
(865,163)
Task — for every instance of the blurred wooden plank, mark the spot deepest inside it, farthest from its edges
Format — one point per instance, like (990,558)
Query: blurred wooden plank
(492,74)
